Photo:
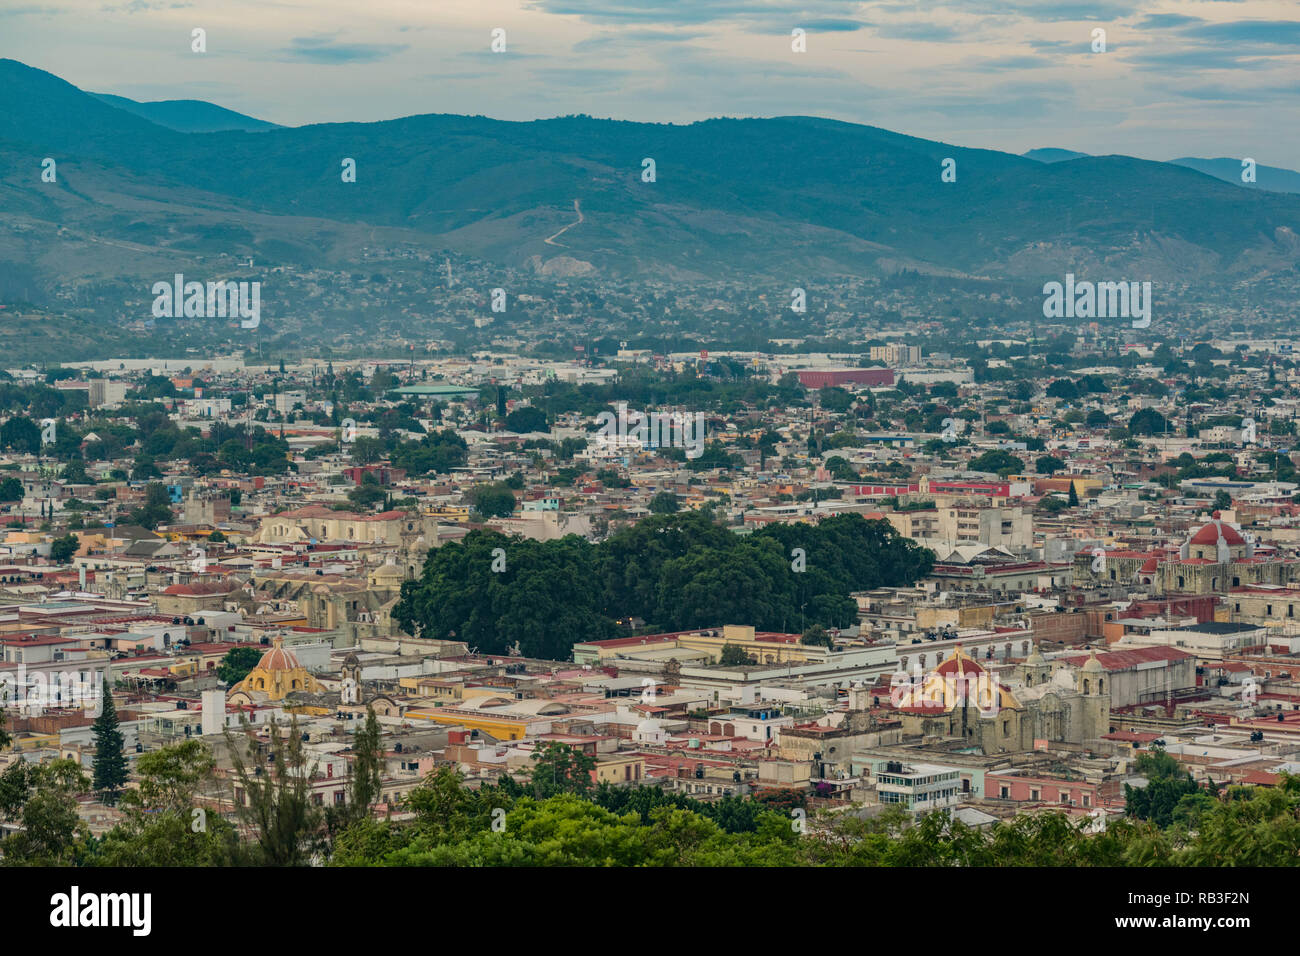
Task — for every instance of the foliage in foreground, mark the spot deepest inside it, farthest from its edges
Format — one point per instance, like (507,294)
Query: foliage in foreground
(558,819)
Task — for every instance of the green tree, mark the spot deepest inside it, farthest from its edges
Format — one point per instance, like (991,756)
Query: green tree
(110,763)
(558,768)
(62,549)
(43,798)
(526,418)
(20,434)
(235,666)
(11,489)
(1147,421)
(365,770)
(277,806)
(1167,784)
(367,492)
(162,825)
(817,636)
(733,655)
(171,776)
(1048,464)
(997,461)
(493,501)
(156,509)
(663,503)
(840,469)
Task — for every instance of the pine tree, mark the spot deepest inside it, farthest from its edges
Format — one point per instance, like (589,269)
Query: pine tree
(1074,496)
(366,768)
(110,763)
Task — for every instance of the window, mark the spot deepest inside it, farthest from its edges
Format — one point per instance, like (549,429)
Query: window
(338,798)
(1034,795)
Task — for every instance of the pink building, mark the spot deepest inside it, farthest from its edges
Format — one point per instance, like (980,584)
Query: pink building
(1048,790)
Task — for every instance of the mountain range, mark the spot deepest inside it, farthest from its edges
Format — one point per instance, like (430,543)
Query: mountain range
(188,116)
(147,188)
(1270,178)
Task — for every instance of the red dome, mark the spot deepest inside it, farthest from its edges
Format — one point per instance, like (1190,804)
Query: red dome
(278,659)
(1210,531)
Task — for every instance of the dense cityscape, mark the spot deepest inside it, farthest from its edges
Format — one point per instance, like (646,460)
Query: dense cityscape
(846,438)
(813,601)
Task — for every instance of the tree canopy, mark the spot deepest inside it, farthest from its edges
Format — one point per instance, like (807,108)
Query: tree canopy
(675,572)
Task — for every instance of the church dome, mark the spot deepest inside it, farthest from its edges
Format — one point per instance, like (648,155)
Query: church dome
(1211,531)
(277,658)
(387,575)
(1092,665)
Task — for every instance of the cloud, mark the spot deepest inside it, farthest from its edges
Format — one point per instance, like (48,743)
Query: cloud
(145,6)
(1228,94)
(1198,59)
(1266,32)
(624,39)
(833,26)
(325,50)
(923,32)
(32,12)
(1040,11)
(1164,21)
(695,11)
(588,80)
(1001,63)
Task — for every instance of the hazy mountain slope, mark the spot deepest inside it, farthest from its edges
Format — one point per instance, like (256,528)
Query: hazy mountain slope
(1272,178)
(188,116)
(787,196)
(1052,155)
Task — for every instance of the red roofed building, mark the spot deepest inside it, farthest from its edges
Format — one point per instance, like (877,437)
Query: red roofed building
(1214,559)
(1144,675)
(830,378)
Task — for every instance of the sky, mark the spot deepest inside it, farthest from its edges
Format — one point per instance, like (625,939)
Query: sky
(1177,78)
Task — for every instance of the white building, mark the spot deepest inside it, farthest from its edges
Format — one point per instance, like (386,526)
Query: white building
(919,787)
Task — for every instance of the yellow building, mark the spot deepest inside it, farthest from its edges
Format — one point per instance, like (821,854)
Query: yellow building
(500,727)
(277,675)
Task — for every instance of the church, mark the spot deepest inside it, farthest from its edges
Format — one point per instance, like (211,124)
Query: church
(962,699)
(1214,559)
(277,675)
